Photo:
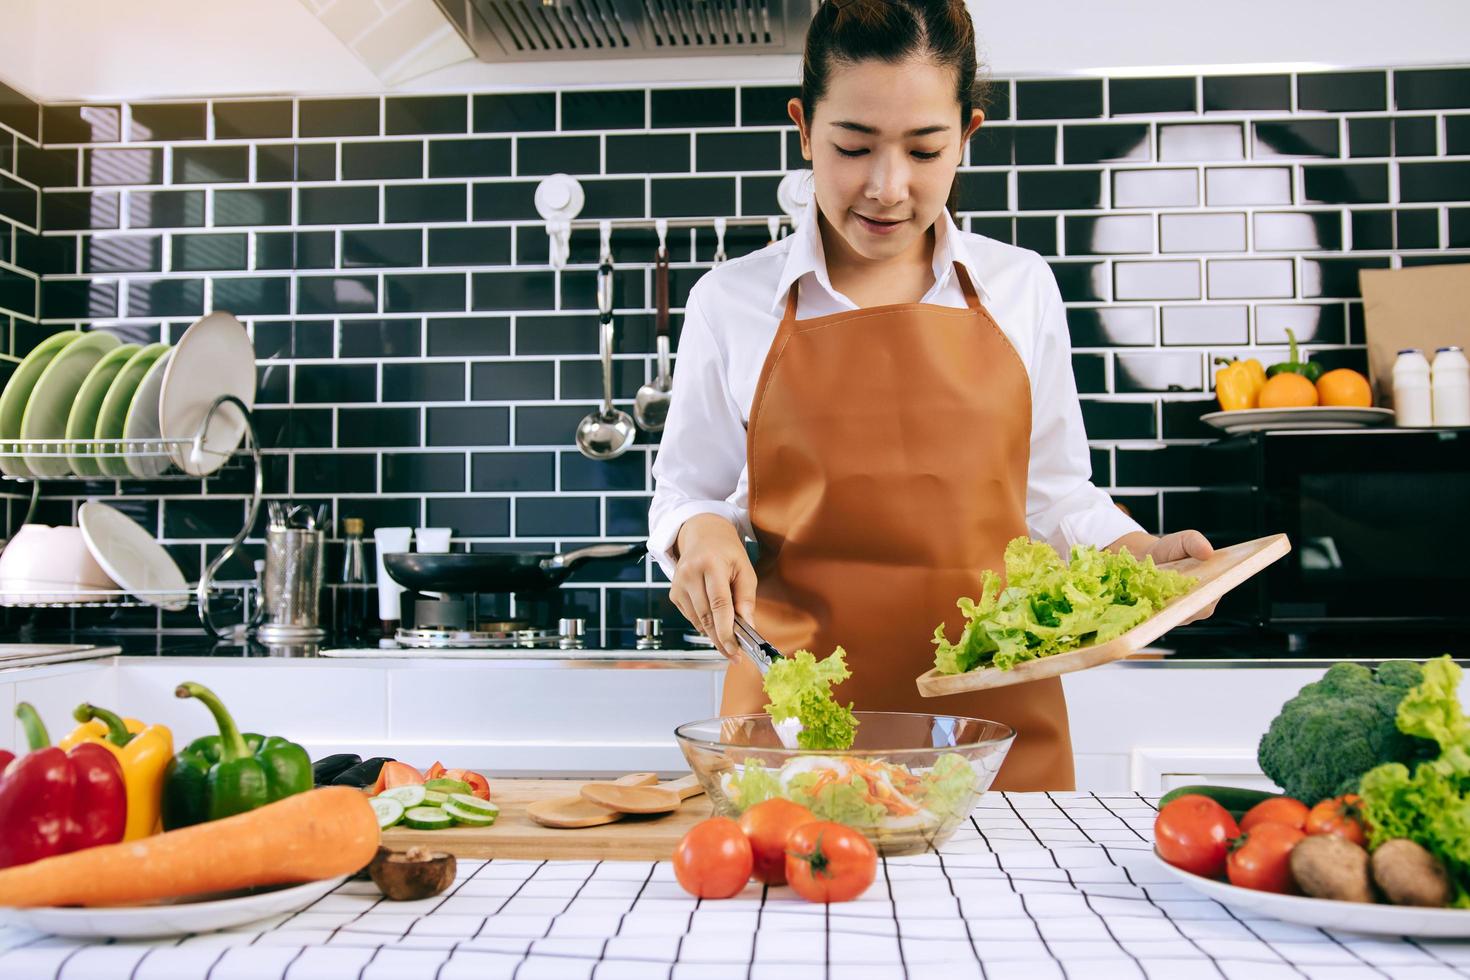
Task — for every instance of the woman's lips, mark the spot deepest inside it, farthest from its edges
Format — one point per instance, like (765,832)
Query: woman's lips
(877,227)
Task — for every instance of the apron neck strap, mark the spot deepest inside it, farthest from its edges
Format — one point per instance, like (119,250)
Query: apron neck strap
(972,298)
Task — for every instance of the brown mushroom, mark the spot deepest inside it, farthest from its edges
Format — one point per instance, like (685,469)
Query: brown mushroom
(1409,875)
(1328,866)
(406,876)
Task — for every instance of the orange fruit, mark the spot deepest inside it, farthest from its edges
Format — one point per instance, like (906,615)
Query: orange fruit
(1344,386)
(1287,390)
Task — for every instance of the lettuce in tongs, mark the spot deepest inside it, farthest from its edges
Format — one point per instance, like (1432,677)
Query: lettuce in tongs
(800,687)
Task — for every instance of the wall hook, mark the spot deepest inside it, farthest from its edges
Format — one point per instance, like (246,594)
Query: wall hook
(559,199)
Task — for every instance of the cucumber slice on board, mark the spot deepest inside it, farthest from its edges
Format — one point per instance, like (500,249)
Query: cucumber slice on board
(435,798)
(388,811)
(468,802)
(409,796)
(427,818)
(466,817)
(443,785)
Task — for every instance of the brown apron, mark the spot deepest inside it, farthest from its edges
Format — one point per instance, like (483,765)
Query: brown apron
(887,453)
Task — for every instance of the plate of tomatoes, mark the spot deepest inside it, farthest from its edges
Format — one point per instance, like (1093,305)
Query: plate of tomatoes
(1307,865)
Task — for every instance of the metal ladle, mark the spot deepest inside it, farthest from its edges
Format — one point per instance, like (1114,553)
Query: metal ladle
(651,406)
(608,433)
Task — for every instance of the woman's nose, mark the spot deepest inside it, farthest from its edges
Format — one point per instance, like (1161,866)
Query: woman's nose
(888,183)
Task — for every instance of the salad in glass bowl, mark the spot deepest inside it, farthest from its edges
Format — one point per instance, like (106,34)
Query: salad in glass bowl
(906,781)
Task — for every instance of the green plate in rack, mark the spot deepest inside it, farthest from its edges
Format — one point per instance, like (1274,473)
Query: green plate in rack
(82,422)
(114,411)
(18,392)
(51,400)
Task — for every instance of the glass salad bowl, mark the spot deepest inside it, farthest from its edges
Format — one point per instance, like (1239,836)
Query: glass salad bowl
(907,782)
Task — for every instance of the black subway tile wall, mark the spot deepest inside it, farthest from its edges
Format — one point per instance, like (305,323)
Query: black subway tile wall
(420,361)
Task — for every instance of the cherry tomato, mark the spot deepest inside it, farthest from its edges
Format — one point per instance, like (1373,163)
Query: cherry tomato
(1194,833)
(768,824)
(1261,858)
(829,862)
(479,785)
(1278,809)
(714,859)
(1341,815)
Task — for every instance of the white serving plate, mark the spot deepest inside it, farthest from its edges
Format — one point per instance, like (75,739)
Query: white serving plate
(1383,920)
(131,556)
(179,918)
(1303,417)
(214,357)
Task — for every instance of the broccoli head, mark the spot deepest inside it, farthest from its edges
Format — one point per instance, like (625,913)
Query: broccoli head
(1338,728)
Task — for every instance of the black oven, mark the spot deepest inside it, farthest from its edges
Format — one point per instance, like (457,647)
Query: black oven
(1379,521)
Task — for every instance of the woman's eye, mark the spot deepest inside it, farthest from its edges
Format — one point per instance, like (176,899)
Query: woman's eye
(928,156)
(851,153)
(919,154)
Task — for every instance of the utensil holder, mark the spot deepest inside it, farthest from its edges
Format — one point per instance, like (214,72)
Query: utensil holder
(293,585)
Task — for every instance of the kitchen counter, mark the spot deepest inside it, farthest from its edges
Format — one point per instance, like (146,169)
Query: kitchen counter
(1036,886)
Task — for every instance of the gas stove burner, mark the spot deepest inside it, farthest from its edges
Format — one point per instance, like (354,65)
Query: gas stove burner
(516,634)
(698,640)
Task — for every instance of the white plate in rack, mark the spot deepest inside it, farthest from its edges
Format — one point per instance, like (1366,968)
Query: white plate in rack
(131,556)
(178,918)
(1383,920)
(1303,417)
(214,357)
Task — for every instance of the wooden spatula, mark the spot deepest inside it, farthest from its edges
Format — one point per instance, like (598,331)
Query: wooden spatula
(573,812)
(663,798)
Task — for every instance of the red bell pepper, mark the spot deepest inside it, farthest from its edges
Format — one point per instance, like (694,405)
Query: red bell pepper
(53,802)
(6,758)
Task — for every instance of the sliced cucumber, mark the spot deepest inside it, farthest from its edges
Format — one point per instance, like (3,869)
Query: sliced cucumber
(388,811)
(407,795)
(427,818)
(433,797)
(446,786)
(468,817)
(469,802)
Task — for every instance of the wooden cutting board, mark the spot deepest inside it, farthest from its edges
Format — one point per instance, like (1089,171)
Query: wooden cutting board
(515,835)
(1221,572)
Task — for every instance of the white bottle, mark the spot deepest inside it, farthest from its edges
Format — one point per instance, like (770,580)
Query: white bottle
(1450,383)
(1412,404)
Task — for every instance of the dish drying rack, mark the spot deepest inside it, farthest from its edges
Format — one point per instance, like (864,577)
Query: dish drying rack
(158,450)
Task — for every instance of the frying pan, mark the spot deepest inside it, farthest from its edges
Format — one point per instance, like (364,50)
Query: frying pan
(497,571)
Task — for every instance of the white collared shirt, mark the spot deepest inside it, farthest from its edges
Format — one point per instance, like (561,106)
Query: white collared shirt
(731,318)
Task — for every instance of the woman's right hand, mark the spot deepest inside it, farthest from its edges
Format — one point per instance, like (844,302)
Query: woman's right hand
(714,580)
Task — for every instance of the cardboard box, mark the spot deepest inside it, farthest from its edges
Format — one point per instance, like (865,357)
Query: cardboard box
(1426,306)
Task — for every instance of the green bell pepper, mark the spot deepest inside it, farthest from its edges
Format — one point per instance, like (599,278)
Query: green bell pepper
(1310,370)
(220,775)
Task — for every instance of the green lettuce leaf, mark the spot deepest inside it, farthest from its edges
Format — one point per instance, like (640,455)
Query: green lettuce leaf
(949,787)
(842,800)
(800,687)
(1046,606)
(755,785)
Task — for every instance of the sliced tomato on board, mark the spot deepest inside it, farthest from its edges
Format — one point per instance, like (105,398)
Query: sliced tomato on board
(479,785)
(397,774)
(434,771)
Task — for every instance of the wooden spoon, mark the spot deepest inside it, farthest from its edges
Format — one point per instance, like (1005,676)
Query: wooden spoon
(573,812)
(663,798)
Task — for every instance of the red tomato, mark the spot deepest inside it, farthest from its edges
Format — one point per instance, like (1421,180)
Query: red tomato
(1343,816)
(434,771)
(479,785)
(1261,858)
(1194,833)
(1278,809)
(828,862)
(714,859)
(768,825)
(396,774)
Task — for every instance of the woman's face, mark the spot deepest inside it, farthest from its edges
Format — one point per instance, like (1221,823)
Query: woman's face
(884,143)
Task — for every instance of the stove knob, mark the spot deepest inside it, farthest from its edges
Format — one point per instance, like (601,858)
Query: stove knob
(572,629)
(648,629)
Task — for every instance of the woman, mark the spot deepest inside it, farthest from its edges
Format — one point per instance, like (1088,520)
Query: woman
(880,401)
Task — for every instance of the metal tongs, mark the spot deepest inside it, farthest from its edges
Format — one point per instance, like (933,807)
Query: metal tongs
(761,653)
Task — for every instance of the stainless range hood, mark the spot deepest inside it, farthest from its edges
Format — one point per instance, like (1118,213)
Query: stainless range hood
(549,30)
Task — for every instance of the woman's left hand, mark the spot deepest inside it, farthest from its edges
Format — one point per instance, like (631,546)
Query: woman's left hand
(1172,547)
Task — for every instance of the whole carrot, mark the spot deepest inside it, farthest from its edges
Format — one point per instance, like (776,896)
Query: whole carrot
(313,835)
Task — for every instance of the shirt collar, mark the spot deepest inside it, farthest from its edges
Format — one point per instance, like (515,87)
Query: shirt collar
(805,255)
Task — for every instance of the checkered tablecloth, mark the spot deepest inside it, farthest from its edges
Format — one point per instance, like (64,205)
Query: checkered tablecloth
(1035,886)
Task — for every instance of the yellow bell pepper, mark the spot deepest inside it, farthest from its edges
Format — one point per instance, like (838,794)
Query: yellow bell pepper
(1238,384)
(144,754)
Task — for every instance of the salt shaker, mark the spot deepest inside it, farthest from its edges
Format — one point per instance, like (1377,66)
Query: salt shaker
(1412,405)
(1450,387)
